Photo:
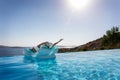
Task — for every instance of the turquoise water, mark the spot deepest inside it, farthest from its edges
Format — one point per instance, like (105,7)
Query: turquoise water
(90,65)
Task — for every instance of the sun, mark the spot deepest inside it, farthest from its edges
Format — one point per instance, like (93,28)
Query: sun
(77,4)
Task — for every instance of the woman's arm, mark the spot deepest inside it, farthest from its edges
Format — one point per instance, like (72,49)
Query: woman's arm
(56,43)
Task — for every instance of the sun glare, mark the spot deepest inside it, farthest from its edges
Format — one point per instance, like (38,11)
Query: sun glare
(78,4)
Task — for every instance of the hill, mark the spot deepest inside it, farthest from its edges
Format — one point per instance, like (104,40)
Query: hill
(111,40)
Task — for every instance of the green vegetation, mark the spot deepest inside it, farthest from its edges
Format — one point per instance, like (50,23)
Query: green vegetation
(111,39)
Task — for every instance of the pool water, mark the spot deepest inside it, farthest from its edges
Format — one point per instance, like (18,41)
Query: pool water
(89,65)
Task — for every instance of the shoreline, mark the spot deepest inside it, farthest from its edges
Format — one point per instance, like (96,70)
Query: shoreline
(18,51)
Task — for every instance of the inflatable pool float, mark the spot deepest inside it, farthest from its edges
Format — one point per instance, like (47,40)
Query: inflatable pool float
(42,53)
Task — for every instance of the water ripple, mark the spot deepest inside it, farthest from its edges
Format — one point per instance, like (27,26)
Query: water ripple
(91,65)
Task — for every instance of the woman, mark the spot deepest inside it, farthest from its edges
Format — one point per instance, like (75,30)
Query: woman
(46,44)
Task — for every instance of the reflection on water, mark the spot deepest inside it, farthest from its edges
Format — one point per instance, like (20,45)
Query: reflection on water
(46,69)
(90,65)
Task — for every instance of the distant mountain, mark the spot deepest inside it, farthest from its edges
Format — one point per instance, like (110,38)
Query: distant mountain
(11,51)
(3,46)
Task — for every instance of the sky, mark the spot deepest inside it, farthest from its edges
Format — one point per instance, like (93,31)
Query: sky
(30,22)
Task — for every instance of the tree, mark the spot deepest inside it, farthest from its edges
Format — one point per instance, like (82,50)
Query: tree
(111,37)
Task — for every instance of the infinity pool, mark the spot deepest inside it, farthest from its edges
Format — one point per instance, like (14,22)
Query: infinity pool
(90,65)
